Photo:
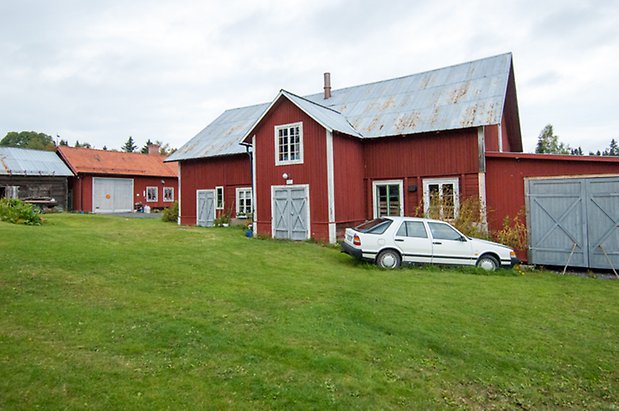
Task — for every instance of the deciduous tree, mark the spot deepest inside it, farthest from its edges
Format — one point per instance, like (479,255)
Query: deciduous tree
(28,139)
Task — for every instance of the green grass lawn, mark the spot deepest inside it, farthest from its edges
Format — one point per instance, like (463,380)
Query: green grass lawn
(106,313)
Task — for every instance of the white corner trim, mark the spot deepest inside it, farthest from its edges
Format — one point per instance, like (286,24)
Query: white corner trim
(254,190)
(179,194)
(331,188)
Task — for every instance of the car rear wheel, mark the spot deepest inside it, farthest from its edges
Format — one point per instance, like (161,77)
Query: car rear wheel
(488,263)
(388,259)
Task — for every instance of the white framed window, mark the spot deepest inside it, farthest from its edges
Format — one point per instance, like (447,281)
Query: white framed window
(152,194)
(441,198)
(388,198)
(168,194)
(289,144)
(243,201)
(219,198)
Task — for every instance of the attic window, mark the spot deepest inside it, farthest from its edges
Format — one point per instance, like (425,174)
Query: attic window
(289,144)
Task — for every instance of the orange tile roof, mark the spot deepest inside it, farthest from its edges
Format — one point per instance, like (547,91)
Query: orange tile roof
(91,161)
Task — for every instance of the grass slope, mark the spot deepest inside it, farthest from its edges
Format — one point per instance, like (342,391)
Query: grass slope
(105,312)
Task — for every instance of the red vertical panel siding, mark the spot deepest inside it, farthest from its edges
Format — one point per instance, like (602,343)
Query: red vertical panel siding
(139,189)
(413,158)
(313,171)
(205,174)
(431,154)
(349,186)
(511,118)
(491,138)
(506,173)
(86,193)
(505,136)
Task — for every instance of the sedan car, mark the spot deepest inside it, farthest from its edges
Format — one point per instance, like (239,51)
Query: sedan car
(391,241)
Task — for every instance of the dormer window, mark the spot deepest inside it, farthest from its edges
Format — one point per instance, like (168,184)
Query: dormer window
(289,144)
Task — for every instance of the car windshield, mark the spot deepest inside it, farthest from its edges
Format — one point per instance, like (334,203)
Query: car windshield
(376,226)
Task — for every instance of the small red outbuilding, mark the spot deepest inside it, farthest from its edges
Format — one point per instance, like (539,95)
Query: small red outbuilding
(114,182)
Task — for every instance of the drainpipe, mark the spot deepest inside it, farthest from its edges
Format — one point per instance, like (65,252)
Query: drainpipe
(253,189)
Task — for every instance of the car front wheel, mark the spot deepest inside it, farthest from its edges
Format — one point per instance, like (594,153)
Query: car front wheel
(488,263)
(388,259)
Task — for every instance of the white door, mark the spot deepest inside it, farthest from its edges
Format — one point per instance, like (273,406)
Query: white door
(413,240)
(112,195)
(290,209)
(205,208)
(449,246)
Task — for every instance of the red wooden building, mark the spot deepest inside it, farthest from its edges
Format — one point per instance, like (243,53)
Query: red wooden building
(307,167)
(113,181)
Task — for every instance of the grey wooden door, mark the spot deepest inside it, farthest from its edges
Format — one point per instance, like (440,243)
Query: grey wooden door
(603,222)
(574,220)
(205,215)
(290,212)
(112,195)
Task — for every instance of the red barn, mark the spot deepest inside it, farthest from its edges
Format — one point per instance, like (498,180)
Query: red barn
(307,167)
(114,181)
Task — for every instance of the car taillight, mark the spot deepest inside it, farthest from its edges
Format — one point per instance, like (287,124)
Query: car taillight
(356,240)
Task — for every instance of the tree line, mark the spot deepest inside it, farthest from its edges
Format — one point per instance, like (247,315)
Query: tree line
(42,141)
(548,143)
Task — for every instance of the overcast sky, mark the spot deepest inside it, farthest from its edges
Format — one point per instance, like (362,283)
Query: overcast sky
(101,71)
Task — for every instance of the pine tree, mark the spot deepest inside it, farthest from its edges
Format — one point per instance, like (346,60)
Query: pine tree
(129,146)
(613,150)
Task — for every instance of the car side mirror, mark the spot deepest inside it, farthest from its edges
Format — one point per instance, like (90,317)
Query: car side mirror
(463,239)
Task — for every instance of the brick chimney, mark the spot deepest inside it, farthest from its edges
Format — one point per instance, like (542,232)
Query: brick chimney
(153,149)
(327,85)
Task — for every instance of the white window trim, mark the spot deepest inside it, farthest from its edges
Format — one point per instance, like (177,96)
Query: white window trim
(238,200)
(156,194)
(383,183)
(217,191)
(164,196)
(426,192)
(276,141)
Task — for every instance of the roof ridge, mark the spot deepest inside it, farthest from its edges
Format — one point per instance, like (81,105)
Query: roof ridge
(313,102)
(421,72)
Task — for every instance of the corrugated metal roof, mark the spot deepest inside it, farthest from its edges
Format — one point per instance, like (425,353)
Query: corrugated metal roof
(91,161)
(222,136)
(466,95)
(25,162)
(325,116)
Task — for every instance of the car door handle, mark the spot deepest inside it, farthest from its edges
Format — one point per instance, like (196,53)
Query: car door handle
(437,243)
(398,239)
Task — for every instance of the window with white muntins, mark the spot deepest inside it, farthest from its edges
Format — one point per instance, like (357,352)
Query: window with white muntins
(219,197)
(152,194)
(441,198)
(168,194)
(243,201)
(289,144)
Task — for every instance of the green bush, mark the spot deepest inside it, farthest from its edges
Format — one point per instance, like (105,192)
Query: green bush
(17,212)
(170,214)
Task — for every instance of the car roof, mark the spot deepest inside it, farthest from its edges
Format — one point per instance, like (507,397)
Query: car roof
(405,218)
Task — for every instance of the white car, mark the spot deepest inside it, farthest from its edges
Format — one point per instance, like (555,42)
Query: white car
(391,241)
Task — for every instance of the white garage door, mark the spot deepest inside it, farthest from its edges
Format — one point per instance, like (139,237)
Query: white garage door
(112,195)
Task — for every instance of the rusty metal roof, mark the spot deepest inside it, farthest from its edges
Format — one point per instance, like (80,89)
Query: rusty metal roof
(91,161)
(465,95)
(25,162)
